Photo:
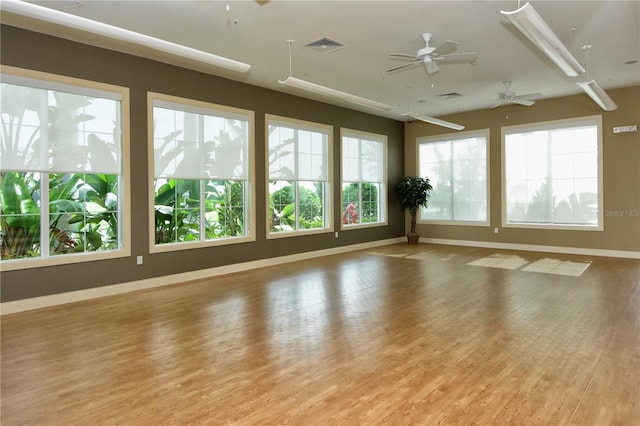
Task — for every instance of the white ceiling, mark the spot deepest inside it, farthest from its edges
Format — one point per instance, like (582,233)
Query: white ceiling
(256,32)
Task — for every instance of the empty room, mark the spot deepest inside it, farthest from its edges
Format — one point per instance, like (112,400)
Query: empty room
(269,212)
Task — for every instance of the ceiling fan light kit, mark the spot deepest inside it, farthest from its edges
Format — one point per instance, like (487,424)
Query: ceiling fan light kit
(433,120)
(531,24)
(45,14)
(333,93)
(597,93)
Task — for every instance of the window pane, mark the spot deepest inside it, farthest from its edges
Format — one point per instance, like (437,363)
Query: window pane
(457,171)
(83,213)
(350,159)
(282,206)
(351,203)
(199,146)
(311,200)
(363,173)
(370,211)
(552,175)
(59,131)
(299,176)
(296,154)
(201,165)
(20,215)
(60,177)
(282,160)
(312,152)
(225,209)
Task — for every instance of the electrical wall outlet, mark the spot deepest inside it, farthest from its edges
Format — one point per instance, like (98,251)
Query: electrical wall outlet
(139,260)
(496,230)
(336,235)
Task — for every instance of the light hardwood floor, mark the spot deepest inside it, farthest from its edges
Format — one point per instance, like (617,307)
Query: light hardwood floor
(395,335)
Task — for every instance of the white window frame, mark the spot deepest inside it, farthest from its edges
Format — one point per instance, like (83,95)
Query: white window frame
(382,195)
(554,124)
(192,105)
(448,138)
(60,82)
(328,204)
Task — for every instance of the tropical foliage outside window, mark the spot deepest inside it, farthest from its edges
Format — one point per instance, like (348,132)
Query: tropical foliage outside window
(363,178)
(457,168)
(552,174)
(299,178)
(201,161)
(61,162)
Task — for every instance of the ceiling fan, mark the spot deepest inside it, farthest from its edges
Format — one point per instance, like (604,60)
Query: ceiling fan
(508,97)
(430,55)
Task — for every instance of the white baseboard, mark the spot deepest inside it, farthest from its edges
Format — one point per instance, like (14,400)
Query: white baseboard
(531,247)
(111,290)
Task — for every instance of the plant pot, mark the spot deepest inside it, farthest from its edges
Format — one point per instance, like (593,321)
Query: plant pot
(413,238)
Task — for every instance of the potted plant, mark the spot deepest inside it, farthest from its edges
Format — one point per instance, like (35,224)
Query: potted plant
(414,193)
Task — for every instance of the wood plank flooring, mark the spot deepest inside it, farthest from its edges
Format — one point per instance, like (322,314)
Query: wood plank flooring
(396,335)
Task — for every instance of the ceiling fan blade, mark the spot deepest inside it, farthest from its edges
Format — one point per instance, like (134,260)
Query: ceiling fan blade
(522,102)
(402,55)
(404,66)
(459,57)
(528,96)
(445,48)
(499,104)
(431,66)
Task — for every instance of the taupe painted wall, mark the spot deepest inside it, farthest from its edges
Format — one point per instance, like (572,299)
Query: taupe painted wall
(40,52)
(621,168)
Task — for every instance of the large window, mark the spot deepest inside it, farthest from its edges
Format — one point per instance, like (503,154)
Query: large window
(63,194)
(457,167)
(202,174)
(364,192)
(299,177)
(553,174)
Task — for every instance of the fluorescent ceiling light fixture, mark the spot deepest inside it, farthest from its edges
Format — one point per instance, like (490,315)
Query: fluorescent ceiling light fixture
(527,20)
(326,91)
(433,120)
(40,13)
(597,93)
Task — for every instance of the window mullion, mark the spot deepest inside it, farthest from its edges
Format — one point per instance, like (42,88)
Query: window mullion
(202,215)
(296,192)
(360,178)
(297,203)
(452,179)
(44,216)
(549,179)
(45,236)
(201,182)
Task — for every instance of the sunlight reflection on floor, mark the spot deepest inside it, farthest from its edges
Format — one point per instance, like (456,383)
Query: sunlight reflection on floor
(504,261)
(558,267)
(545,266)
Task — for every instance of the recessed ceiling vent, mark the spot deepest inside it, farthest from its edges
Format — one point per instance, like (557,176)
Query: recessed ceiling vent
(325,45)
(449,95)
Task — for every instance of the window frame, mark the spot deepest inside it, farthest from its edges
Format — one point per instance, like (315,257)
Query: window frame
(449,137)
(548,125)
(51,81)
(328,203)
(383,194)
(202,107)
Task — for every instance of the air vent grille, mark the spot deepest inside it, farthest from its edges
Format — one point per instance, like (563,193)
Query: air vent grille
(325,45)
